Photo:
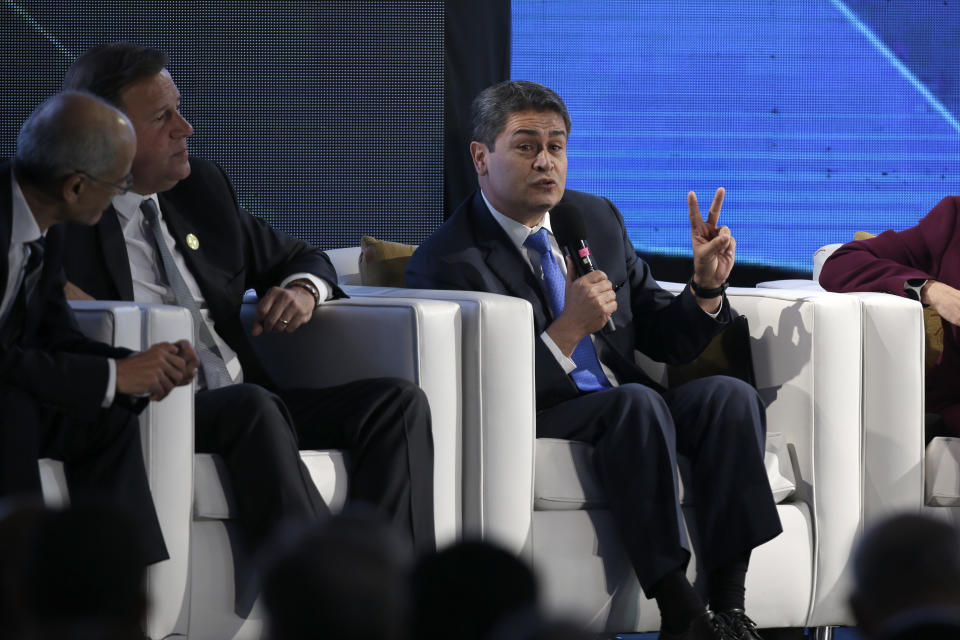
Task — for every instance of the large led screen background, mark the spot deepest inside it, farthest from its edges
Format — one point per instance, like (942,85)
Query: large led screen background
(820,117)
(328,116)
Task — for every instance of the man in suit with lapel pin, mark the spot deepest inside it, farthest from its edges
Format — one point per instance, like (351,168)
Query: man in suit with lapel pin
(180,237)
(63,395)
(588,386)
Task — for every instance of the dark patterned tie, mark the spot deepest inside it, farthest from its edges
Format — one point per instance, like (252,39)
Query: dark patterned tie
(588,375)
(13,328)
(211,362)
(32,268)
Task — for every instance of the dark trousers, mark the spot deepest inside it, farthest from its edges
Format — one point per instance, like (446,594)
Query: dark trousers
(101,454)
(251,429)
(383,424)
(718,424)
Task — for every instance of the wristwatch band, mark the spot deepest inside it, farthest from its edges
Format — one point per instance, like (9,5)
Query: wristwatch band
(914,287)
(702,292)
(309,287)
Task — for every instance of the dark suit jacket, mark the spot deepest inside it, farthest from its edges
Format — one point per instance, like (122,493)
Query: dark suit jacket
(237,252)
(471,251)
(931,251)
(51,359)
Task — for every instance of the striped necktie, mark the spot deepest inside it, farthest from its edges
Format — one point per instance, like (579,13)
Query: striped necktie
(588,375)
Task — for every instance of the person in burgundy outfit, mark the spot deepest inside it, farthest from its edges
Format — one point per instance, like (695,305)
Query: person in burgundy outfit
(922,263)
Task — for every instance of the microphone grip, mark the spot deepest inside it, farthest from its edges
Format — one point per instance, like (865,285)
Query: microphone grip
(583,263)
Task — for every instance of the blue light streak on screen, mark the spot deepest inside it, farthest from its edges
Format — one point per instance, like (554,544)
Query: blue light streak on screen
(811,125)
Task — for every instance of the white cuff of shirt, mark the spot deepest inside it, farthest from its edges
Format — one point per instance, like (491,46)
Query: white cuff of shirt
(567,363)
(322,287)
(111,391)
(715,313)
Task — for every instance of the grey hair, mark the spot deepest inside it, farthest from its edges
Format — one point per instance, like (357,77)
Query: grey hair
(51,145)
(496,103)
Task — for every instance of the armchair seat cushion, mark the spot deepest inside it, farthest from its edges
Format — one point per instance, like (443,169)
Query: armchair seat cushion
(565,478)
(213,497)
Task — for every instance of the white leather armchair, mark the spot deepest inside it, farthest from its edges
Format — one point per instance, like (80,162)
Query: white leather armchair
(415,340)
(167,437)
(541,499)
(193,593)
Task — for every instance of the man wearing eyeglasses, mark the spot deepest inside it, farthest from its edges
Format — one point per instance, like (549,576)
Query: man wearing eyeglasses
(179,236)
(62,395)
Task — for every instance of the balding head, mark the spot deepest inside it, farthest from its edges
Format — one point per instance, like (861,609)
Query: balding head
(75,151)
(67,133)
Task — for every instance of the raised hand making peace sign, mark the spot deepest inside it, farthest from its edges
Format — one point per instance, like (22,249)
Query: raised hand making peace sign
(714,247)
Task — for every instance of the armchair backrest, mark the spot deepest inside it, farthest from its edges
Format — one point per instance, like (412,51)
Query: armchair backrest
(346,261)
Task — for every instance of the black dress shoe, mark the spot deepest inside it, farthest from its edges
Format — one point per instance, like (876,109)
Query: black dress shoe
(735,624)
(703,627)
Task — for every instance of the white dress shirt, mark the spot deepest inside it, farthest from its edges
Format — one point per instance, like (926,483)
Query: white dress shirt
(146,270)
(25,229)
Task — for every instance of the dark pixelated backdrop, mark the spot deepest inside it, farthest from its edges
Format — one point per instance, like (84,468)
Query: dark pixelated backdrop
(327,116)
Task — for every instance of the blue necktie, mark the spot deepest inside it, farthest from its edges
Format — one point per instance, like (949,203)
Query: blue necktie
(588,375)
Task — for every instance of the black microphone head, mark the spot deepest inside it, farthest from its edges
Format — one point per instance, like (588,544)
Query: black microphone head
(567,224)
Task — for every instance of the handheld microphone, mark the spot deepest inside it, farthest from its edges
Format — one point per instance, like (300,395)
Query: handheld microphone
(570,230)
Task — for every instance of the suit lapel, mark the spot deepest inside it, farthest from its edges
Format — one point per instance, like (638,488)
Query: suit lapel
(506,262)
(6,226)
(180,227)
(114,250)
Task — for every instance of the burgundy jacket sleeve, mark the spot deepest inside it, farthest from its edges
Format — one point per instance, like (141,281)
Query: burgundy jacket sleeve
(885,262)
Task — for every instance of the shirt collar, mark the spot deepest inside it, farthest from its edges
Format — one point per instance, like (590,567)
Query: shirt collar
(25,228)
(517,231)
(128,204)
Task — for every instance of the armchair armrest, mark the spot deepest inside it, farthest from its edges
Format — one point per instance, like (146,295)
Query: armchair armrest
(167,439)
(499,414)
(806,349)
(893,404)
(352,339)
(796,285)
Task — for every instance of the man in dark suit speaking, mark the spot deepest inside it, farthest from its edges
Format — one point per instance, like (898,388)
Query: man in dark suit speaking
(179,237)
(588,388)
(62,395)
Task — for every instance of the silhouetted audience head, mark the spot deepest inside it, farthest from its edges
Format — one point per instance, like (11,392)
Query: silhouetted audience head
(467,590)
(77,573)
(19,521)
(343,579)
(907,579)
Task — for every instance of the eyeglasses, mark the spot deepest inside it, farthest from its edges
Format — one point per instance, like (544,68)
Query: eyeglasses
(121,187)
